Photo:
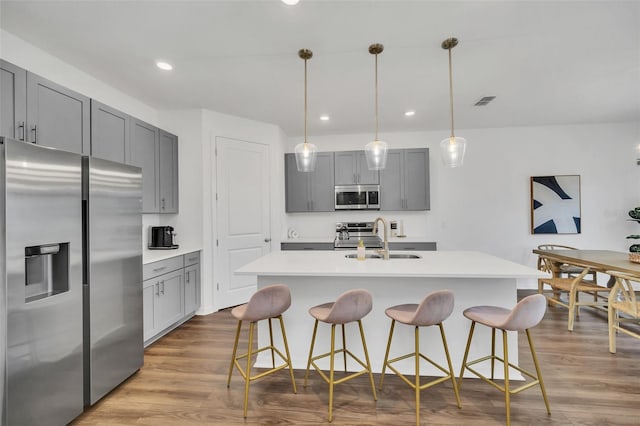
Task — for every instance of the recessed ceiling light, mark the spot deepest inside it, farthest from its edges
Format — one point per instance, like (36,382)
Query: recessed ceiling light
(324,117)
(410,113)
(290,2)
(164,65)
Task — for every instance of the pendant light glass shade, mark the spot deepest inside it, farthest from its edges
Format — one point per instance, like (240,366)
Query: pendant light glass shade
(452,148)
(306,157)
(305,151)
(376,151)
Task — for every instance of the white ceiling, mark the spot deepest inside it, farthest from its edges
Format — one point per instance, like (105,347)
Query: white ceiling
(546,62)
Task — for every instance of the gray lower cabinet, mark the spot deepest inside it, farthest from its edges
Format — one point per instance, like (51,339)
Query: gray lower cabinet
(171,294)
(416,245)
(168,172)
(110,133)
(191,282)
(351,169)
(310,192)
(13,101)
(56,116)
(404,183)
(306,246)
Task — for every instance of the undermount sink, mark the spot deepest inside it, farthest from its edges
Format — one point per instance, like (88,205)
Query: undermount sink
(391,256)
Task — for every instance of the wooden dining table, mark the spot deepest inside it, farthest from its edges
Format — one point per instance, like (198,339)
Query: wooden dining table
(596,260)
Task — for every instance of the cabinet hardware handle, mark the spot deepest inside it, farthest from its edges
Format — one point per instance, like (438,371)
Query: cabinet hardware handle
(159,269)
(188,280)
(162,282)
(355,178)
(163,204)
(34,130)
(21,128)
(158,289)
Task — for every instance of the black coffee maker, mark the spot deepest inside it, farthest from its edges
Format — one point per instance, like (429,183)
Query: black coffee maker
(162,238)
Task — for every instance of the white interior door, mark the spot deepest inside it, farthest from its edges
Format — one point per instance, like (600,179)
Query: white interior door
(242,216)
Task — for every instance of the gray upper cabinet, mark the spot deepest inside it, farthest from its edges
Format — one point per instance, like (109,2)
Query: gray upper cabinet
(310,192)
(13,101)
(168,169)
(56,116)
(351,169)
(109,132)
(156,152)
(404,183)
(144,153)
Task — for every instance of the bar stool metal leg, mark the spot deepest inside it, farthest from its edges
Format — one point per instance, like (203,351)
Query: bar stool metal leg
(235,350)
(286,348)
(453,378)
(366,358)
(507,394)
(538,372)
(466,354)
(386,355)
(247,375)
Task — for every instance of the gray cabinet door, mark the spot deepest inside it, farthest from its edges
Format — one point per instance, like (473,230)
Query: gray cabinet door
(321,186)
(191,286)
(109,132)
(168,172)
(169,302)
(143,152)
(345,168)
(365,176)
(416,188)
(351,169)
(392,181)
(13,101)
(56,116)
(296,186)
(148,308)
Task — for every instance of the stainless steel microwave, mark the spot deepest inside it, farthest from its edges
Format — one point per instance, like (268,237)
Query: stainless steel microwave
(357,197)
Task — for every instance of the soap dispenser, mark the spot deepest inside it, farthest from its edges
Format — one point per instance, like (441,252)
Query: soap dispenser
(360,250)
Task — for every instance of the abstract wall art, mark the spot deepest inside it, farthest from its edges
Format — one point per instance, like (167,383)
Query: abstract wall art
(555,204)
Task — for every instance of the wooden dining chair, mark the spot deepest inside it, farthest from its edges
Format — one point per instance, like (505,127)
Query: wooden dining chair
(555,287)
(566,270)
(623,307)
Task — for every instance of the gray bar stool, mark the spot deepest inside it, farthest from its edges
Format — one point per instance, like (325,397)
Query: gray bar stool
(351,306)
(525,315)
(265,304)
(434,308)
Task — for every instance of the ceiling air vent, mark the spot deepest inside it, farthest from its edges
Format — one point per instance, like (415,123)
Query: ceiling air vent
(484,100)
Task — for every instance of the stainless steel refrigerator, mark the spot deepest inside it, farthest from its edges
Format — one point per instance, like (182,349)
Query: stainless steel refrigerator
(70,289)
(112,275)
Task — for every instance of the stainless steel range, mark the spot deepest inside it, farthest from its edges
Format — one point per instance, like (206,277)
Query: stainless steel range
(349,233)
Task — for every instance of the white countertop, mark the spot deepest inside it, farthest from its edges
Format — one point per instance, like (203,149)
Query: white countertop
(450,264)
(149,256)
(331,239)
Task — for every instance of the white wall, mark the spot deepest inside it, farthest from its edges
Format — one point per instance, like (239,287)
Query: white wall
(31,58)
(485,205)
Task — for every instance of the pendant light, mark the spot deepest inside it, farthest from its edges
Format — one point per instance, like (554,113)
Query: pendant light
(452,148)
(305,151)
(376,151)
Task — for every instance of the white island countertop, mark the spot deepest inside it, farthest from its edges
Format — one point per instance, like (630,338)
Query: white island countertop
(463,264)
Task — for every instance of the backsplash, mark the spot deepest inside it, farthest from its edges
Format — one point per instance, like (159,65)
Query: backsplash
(416,224)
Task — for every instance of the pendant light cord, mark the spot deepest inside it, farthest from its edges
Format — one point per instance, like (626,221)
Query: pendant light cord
(451,91)
(376,83)
(305,101)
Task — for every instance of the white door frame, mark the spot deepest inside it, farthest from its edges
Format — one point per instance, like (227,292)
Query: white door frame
(222,296)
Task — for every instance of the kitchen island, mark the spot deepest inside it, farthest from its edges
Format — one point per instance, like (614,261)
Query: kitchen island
(321,276)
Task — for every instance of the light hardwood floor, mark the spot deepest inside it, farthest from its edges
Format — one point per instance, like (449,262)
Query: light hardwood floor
(183,382)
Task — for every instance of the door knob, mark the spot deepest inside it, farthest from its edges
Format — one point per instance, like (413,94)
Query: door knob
(267,240)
